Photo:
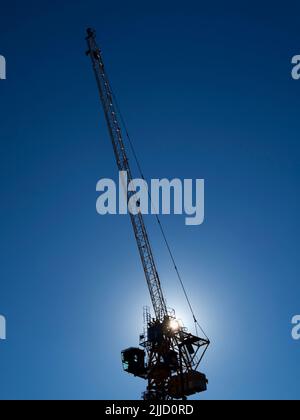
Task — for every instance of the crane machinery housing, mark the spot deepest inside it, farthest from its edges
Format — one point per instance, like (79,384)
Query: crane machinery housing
(169,356)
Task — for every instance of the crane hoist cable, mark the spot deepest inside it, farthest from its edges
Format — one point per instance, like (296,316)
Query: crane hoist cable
(161,228)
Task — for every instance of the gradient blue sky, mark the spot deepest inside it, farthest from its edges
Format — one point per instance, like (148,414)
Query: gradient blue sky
(207,93)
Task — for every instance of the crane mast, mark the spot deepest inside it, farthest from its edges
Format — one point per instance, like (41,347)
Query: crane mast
(170,355)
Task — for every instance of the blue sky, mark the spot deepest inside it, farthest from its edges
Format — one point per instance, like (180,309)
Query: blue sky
(207,93)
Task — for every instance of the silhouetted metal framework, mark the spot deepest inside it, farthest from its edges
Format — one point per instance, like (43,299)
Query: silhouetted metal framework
(170,355)
(115,131)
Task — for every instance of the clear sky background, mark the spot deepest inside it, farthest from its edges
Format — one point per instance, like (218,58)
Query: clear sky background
(206,91)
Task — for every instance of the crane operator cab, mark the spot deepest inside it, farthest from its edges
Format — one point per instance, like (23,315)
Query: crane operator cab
(133,360)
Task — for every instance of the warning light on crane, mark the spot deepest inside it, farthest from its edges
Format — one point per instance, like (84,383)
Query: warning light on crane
(169,356)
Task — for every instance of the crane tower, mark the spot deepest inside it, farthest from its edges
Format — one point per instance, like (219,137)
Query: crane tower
(169,356)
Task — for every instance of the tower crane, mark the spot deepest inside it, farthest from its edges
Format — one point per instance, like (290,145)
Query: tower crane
(169,356)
